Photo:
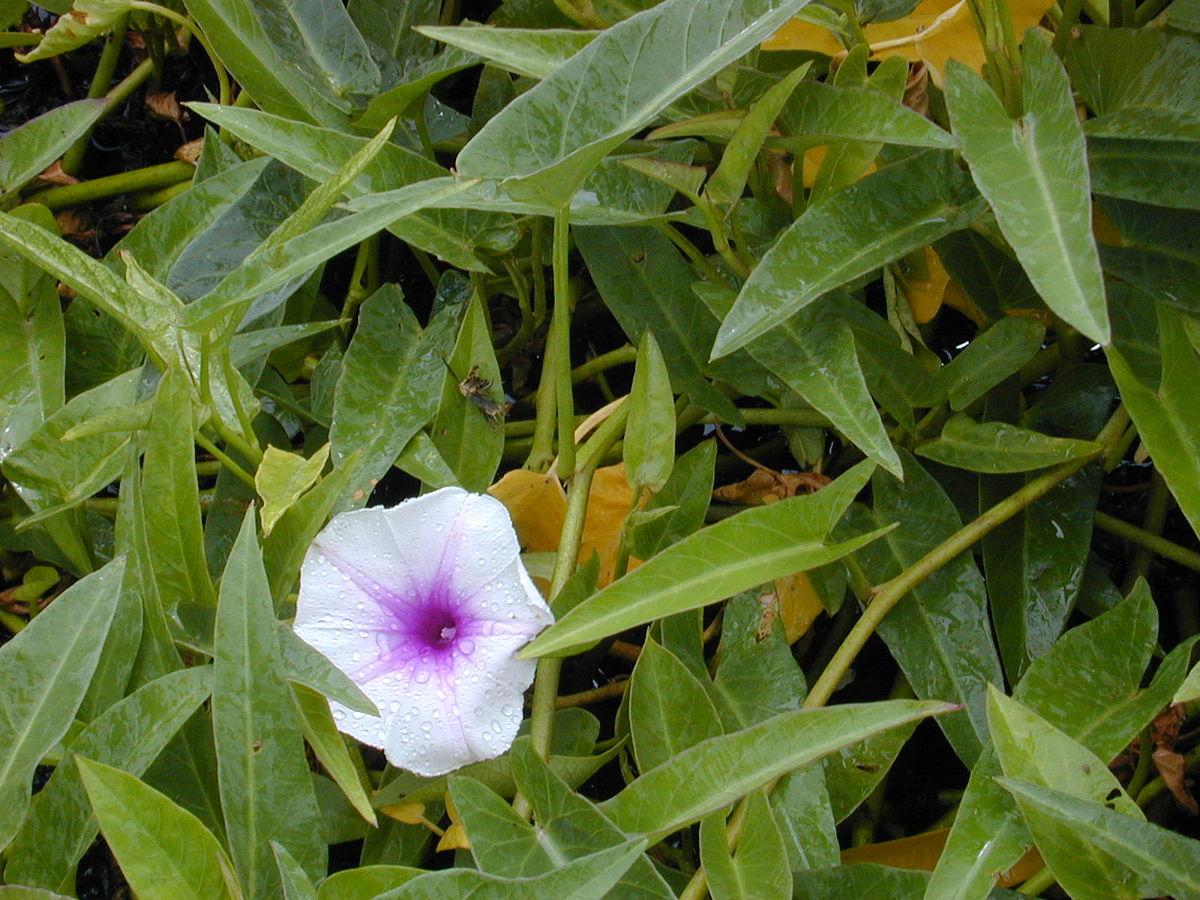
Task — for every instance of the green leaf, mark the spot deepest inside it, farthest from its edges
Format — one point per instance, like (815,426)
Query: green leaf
(452,234)
(30,148)
(1164,173)
(86,21)
(685,496)
(994,355)
(669,709)
(46,668)
(728,182)
(293,879)
(1158,252)
(587,878)
(1166,418)
(406,97)
(302,665)
(629,73)
(644,282)
(939,634)
(532,52)
(1121,68)
(282,477)
(466,431)
(759,865)
(163,850)
(854,772)
(997,447)
(804,815)
(900,208)
(1034,174)
(716,772)
(1164,862)
(861,880)
(321,732)
(303,60)
(128,735)
(266,789)
(715,562)
(173,526)
(390,384)
(756,675)
(364,883)
(820,112)
(649,447)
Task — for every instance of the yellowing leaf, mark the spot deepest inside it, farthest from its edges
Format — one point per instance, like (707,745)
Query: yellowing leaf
(408,813)
(936,31)
(924,282)
(799,605)
(538,505)
(282,477)
(455,837)
(920,851)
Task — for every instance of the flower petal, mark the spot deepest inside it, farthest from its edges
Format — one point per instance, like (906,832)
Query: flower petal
(482,542)
(507,596)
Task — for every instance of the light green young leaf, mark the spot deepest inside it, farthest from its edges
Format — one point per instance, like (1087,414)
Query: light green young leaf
(1161,861)
(128,735)
(406,97)
(86,21)
(1166,418)
(900,208)
(650,59)
(1190,689)
(683,501)
(759,865)
(467,430)
(821,112)
(294,881)
(30,148)
(303,60)
(715,562)
(282,477)
(997,447)
(718,771)
(46,669)
(669,709)
(533,52)
(163,850)
(727,183)
(266,787)
(649,447)
(1034,174)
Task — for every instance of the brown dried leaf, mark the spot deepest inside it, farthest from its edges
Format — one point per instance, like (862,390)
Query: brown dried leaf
(764,486)
(54,174)
(74,224)
(163,105)
(916,89)
(190,152)
(1172,768)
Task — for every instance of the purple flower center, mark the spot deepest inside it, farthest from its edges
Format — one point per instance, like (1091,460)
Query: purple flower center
(435,627)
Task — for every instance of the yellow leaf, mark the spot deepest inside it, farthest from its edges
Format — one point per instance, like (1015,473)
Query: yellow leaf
(408,813)
(936,31)
(799,605)
(924,282)
(538,506)
(455,837)
(921,852)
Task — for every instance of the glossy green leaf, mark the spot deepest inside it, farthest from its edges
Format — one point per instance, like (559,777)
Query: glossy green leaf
(390,384)
(804,816)
(282,477)
(163,850)
(573,826)
(853,773)
(552,136)
(306,666)
(1166,418)
(294,881)
(990,277)
(644,282)
(1164,173)
(46,668)
(129,735)
(728,181)
(266,789)
(716,772)
(1164,862)
(364,883)
(758,866)
(173,527)
(861,880)
(1034,174)
(526,51)
(467,430)
(685,495)
(756,676)
(996,447)
(406,97)
(897,210)
(989,359)
(715,562)
(649,447)
(669,709)
(1159,251)
(821,112)
(452,234)
(303,60)
(588,878)
(321,732)
(939,633)
(29,149)
(1122,68)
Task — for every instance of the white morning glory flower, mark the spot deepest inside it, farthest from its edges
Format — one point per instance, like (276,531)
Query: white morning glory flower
(424,605)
